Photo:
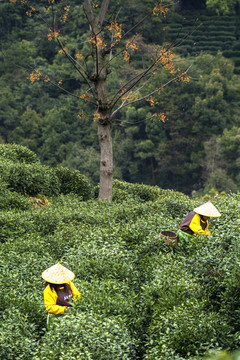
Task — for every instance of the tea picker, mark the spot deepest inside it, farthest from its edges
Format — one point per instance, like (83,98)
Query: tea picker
(196,222)
(59,289)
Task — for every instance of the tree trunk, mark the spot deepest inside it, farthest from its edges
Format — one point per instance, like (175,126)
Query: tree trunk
(106,162)
(153,172)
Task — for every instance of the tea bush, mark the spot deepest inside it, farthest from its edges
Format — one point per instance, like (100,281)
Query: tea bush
(11,199)
(72,181)
(172,283)
(114,298)
(18,336)
(141,299)
(141,191)
(86,336)
(30,179)
(18,153)
(22,171)
(189,329)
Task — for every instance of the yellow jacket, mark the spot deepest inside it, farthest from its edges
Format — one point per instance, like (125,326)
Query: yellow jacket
(195,225)
(50,299)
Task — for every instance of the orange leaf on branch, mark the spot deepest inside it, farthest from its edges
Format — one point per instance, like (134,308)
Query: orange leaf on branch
(151,101)
(35,76)
(61,51)
(96,116)
(160,9)
(53,34)
(79,56)
(97,41)
(85,97)
(30,10)
(159,117)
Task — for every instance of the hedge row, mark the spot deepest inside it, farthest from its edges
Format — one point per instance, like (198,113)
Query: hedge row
(141,299)
(23,173)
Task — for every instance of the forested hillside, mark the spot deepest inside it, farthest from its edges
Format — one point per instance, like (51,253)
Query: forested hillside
(196,148)
(141,298)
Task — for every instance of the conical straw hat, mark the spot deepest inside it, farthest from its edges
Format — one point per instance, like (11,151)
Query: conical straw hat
(207,209)
(58,274)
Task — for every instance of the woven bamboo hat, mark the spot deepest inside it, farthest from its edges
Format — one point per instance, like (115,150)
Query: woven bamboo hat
(58,274)
(207,209)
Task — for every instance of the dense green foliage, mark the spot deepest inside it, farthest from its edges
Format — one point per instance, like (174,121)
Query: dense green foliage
(190,152)
(141,299)
(21,171)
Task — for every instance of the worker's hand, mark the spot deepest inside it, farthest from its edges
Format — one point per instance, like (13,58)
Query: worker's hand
(66,309)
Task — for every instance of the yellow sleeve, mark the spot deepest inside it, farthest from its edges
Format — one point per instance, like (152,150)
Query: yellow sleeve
(75,291)
(196,227)
(50,301)
(207,231)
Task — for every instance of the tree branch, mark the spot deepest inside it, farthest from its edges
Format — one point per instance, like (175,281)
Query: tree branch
(141,76)
(72,61)
(124,86)
(54,84)
(102,12)
(121,51)
(149,94)
(88,11)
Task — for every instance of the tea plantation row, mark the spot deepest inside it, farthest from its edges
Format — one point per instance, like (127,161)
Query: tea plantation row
(141,299)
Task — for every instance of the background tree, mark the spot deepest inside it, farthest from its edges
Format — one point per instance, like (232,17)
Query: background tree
(96,61)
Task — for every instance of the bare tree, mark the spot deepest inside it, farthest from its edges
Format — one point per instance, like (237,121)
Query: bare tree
(106,42)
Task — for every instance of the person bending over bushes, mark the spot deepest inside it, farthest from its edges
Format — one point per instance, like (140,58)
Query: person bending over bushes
(196,222)
(59,289)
